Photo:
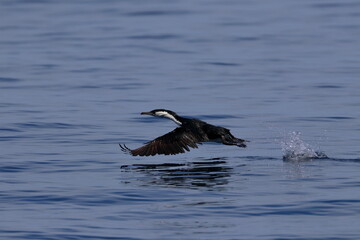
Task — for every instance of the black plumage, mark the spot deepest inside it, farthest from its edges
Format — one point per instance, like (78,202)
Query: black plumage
(189,134)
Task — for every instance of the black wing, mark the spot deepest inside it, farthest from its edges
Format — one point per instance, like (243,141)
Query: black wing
(174,142)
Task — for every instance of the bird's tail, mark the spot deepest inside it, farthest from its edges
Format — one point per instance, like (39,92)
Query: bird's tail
(231,140)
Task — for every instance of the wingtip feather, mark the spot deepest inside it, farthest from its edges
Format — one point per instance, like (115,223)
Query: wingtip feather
(125,149)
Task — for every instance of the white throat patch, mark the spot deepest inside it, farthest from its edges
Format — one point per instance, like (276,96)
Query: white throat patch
(167,115)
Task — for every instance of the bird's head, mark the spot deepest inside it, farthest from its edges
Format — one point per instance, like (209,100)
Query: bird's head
(160,113)
(164,113)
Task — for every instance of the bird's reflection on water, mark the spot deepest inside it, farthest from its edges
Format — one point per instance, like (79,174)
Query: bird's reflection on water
(202,173)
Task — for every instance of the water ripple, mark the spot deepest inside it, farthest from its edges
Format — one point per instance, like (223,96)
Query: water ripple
(191,175)
(50,125)
(224,64)
(9,80)
(152,13)
(9,130)
(154,37)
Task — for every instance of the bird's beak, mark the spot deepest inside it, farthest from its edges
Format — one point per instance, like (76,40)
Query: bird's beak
(146,113)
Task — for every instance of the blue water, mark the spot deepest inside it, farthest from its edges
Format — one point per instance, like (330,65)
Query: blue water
(74,76)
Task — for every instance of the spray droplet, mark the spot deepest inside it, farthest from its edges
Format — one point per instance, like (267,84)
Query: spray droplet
(295,149)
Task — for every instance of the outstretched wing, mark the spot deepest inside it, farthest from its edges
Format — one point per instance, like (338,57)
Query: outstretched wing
(174,142)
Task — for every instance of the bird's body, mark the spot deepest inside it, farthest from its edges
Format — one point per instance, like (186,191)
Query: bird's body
(189,133)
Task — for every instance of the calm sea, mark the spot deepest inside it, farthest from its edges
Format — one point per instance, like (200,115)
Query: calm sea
(74,76)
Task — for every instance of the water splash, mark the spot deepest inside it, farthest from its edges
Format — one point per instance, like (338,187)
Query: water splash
(295,149)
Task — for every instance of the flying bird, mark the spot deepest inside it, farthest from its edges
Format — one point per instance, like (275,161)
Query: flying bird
(190,132)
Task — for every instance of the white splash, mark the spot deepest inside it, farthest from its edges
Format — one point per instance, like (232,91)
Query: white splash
(295,149)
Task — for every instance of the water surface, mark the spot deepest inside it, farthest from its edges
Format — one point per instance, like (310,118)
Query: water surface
(74,77)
